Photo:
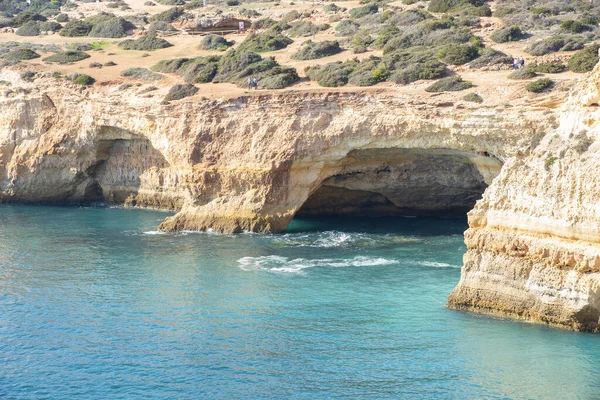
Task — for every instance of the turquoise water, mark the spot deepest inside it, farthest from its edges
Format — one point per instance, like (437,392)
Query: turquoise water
(94,304)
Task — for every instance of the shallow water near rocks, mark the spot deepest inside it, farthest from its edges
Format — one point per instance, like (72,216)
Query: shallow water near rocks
(95,304)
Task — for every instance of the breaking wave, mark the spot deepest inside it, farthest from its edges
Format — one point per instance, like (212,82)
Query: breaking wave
(336,239)
(286,265)
(438,264)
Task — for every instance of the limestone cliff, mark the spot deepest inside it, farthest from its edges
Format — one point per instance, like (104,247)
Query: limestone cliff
(534,238)
(251,163)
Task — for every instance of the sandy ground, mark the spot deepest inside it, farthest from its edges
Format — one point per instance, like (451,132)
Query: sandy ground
(489,84)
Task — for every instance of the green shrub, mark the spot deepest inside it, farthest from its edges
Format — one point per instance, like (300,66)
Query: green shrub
(157,26)
(491,57)
(145,43)
(169,15)
(26,16)
(550,67)
(62,18)
(361,41)
(109,64)
(169,66)
(333,8)
(232,3)
(550,161)
(312,50)
(17,55)
(235,67)
(266,41)
(507,34)
(179,92)
(84,79)
(384,36)
(450,84)
(76,28)
(554,44)
(380,73)
(346,28)
(30,28)
(524,73)
(428,70)
(584,60)
(28,76)
(458,54)
(214,42)
(473,98)
(199,69)
(110,28)
(332,74)
(574,26)
(472,7)
(67,57)
(72,76)
(141,73)
(264,23)
(368,72)
(171,2)
(50,26)
(305,28)
(541,85)
(360,12)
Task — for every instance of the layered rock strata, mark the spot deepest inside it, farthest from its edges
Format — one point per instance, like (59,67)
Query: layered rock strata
(250,163)
(534,239)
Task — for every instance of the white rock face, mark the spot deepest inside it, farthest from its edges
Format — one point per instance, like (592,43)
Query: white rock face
(246,163)
(534,238)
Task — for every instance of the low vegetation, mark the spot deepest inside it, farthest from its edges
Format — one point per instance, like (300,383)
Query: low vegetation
(141,74)
(523,73)
(313,50)
(554,44)
(508,34)
(550,67)
(214,42)
(30,28)
(145,43)
(584,60)
(450,84)
(236,66)
(539,86)
(473,98)
(84,79)
(179,92)
(14,56)
(67,57)
(265,41)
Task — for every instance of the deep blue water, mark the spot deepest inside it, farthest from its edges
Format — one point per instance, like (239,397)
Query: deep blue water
(95,305)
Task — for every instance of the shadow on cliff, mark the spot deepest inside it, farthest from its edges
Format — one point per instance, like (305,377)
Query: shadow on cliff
(118,166)
(402,182)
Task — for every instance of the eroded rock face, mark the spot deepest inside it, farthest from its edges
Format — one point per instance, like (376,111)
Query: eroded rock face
(382,182)
(250,163)
(534,238)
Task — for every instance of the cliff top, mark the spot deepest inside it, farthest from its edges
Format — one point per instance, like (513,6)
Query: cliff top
(488,71)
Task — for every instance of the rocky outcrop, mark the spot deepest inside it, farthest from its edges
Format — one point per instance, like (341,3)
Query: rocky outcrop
(250,163)
(534,239)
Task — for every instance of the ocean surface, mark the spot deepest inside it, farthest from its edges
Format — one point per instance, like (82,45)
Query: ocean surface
(95,304)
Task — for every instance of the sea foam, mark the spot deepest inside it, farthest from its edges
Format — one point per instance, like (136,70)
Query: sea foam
(281,264)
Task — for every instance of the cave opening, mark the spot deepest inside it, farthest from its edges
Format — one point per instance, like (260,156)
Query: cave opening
(403,182)
(120,160)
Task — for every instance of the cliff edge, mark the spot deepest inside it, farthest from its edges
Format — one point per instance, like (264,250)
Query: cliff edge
(534,238)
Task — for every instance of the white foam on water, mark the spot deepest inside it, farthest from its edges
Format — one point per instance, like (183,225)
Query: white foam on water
(284,264)
(334,239)
(435,264)
(154,233)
